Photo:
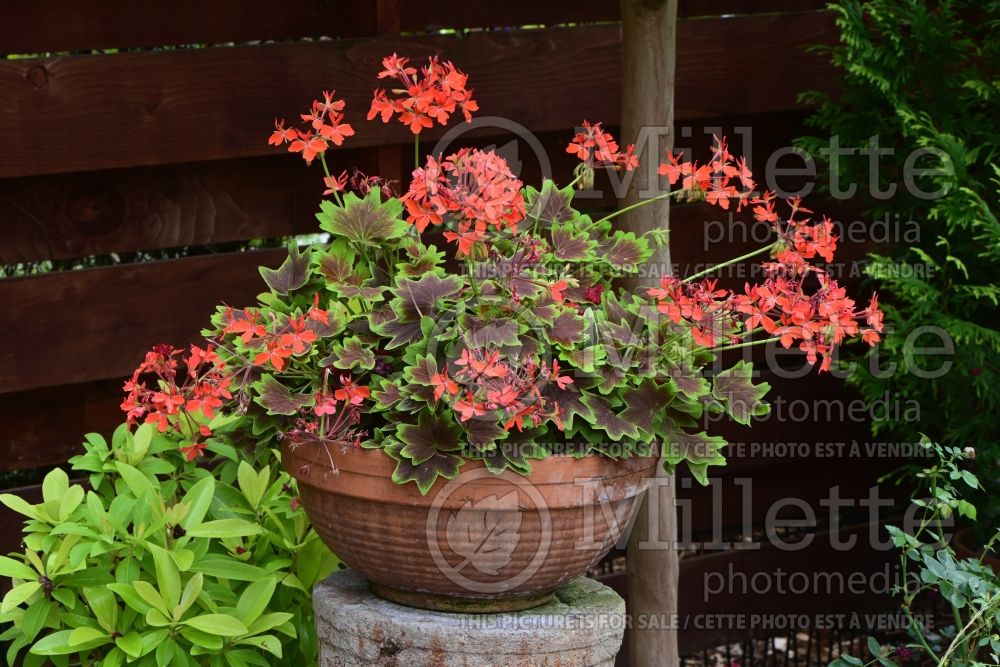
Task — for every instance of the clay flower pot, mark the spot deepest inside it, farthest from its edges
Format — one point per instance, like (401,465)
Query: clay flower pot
(479,543)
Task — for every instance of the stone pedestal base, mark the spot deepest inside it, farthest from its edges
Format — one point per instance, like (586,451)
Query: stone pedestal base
(582,627)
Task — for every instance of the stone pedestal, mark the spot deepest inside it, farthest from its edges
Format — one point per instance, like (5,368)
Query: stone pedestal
(583,627)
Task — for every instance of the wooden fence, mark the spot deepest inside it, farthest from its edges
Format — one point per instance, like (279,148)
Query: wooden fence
(140,127)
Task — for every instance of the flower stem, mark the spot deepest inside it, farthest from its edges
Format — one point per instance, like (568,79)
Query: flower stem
(748,343)
(416,151)
(326,170)
(638,204)
(729,262)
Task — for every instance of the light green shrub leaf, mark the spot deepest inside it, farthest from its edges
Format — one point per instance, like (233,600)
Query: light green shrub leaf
(54,485)
(168,578)
(217,624)
(226,528)
(85,635)
(150,595)
(255,599)
(130,643)
(16,569)
(198,499)
(268,643)
(19,594)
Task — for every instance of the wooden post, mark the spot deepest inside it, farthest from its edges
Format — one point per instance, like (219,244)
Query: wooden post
(649,29)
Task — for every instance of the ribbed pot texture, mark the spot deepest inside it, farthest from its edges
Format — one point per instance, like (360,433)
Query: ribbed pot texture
(480,542)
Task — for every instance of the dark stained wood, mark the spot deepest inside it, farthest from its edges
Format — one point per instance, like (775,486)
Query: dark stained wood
(458,14)
(97,323)
(44,427)
(154,108)
(65,216)
(708,620)
(146,208)
(75,25)
(696,8)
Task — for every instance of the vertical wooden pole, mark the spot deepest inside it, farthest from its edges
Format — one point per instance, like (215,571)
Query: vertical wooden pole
(649,29)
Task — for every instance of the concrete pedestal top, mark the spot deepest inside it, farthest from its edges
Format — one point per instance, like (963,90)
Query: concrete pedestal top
(582,627)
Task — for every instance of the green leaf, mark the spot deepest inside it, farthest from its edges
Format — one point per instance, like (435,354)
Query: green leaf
(700,450)
(874,647)
(252,486)
(137,482)
(34,618)
(150,640)
(603,416)
(222,528)
(56,643)
(224,567)
(278,399)
(645,403)
(70,500)
(16,569)
(741,398)
(130,643)
(269,622)
(20,505)
(55,485)
(223,625)
(19,594)
(85,635)
(130,596)
(350,354)
(102,602)
(440,464)
(149,594)
(168,578)
(432,435)
(202,639)
(198,499)
(268,643)
(191,592)
(255,599)
(368,221)
(291,275)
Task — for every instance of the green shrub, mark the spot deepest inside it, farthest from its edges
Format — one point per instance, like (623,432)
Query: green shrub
(163,562)
(922,76)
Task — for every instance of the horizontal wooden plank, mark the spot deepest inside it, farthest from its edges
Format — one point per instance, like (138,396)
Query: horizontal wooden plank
(458,14)
(62,216)
(71,25)
(418,16)
(44,427)
(97,323)
(168,107)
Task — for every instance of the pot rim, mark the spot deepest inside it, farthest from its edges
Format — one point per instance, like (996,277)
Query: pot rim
(368,473)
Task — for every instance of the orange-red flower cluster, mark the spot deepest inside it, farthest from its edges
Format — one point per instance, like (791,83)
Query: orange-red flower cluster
(597,148)
(433,94)
(292,336)
(781,305)
(334,415)
(324,126)
(475,187)
(485,382)
(185,406)
(715,180)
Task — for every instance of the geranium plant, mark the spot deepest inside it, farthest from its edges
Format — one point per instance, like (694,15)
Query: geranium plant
(472,317)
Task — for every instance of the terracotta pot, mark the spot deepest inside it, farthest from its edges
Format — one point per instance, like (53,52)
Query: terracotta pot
(480,542)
